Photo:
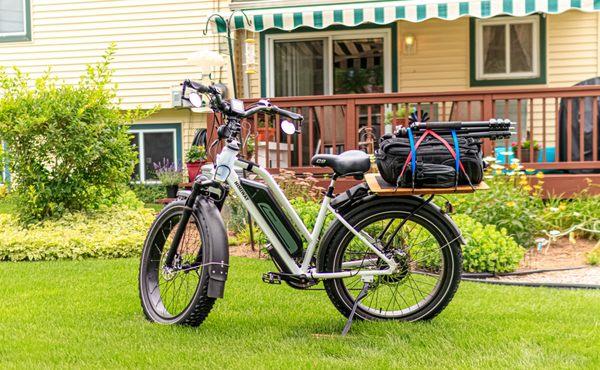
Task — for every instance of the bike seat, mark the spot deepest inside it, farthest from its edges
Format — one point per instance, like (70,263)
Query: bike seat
(352,162)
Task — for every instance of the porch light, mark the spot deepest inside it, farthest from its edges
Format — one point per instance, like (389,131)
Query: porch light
(410,44)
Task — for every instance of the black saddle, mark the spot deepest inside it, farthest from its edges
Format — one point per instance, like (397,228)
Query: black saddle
(352,162)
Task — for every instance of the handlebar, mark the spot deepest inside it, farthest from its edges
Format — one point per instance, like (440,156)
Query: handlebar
(265,107)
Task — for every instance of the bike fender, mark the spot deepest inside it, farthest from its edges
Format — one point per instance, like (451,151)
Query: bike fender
(217,253)
(371,200)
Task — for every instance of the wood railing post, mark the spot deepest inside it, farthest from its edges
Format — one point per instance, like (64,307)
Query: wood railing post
(487,112)
(351,125)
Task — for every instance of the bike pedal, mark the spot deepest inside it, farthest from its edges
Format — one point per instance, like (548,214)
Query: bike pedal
(271,278)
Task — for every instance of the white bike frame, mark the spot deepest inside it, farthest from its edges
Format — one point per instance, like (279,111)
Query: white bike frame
(224,171)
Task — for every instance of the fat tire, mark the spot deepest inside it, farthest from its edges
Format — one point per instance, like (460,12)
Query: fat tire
(200,305)
(343,302)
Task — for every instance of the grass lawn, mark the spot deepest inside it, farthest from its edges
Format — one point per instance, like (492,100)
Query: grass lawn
(87,314)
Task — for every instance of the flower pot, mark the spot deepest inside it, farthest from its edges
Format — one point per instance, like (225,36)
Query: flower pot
(172,191)
(194,169)
(262,133)
(523,155)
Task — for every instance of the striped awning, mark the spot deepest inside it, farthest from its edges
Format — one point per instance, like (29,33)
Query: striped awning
(384,12)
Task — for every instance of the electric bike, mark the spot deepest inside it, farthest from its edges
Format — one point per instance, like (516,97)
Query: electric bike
(380,258)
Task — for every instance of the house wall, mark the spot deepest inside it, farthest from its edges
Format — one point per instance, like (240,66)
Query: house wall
(153,37)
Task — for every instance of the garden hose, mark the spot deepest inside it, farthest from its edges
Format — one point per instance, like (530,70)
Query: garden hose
(483,275)
(479,277)
(534,285)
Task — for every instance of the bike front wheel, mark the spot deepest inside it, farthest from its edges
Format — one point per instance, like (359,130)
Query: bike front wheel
(175,294)
(429,261)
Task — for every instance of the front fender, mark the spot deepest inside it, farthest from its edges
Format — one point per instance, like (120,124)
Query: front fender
(216,252)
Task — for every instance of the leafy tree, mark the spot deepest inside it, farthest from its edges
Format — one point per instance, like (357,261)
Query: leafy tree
(68,146)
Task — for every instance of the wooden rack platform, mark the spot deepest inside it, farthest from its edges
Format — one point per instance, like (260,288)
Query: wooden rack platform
(381,187)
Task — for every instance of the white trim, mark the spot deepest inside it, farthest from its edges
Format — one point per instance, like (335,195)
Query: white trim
(141,149)
(506,22)
(25,25)
(328,37)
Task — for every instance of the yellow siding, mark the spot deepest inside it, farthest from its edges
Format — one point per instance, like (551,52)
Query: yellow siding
(189,122)
(153,39)
(441,60)
(572,48)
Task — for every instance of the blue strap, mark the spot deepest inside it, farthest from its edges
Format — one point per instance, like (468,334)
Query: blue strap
(413,152)
(457,151)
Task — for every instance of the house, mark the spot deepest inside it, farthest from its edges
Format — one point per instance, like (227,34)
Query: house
(353,68)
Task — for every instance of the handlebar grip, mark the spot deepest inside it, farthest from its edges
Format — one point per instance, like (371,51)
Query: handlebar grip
(289,114)
(201,88)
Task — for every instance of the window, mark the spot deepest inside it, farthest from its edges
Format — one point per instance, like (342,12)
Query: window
(154,144)
(15,20)
(508,51)
(329,62)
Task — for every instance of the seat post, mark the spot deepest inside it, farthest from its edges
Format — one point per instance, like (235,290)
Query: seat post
(331,187)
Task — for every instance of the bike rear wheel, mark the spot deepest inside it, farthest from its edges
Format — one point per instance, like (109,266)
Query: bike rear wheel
(177,294)
(429,259)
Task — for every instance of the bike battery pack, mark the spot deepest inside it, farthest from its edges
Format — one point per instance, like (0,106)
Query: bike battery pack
(263,199)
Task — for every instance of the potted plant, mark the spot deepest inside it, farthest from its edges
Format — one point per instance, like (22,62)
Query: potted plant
(400,115)
(195,158)
(169,176)
(262,130)
(523,151)
(250,147)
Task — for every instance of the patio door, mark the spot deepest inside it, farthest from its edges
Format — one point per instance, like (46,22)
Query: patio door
(328,63)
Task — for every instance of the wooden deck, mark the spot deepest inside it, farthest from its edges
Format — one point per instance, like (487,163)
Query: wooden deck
(554,117)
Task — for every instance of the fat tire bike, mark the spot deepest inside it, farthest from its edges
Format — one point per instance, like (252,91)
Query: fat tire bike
(380,258)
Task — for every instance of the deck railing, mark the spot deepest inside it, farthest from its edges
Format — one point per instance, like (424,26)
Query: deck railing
(563,123)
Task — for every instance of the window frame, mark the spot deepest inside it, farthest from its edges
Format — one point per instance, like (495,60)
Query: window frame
(20,36)
(538,76)
(140,129)
(388,33)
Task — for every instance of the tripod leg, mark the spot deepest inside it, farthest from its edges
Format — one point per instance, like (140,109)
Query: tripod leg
(361,295)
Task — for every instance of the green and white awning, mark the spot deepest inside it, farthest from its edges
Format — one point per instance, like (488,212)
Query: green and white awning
(384,12)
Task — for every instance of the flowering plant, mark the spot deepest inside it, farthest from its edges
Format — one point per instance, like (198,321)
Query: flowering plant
(168,173)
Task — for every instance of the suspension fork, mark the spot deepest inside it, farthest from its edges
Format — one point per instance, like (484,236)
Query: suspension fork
(199,184)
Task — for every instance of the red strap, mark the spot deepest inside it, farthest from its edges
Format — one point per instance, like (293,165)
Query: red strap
(441,140)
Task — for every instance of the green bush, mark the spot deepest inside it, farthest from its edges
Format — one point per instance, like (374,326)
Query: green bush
(508,204)
(68,146)
(111,232)
(581,212)
(148,193)
(593,257)
(488,248)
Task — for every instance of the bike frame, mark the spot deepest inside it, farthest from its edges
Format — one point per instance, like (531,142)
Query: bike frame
(224,171)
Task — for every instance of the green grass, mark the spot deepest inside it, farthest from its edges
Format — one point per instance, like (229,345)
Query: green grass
(87,314)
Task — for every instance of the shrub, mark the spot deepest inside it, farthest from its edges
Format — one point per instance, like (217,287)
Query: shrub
(147,193)
(510,204)
(593,257)
(68,145)
(111,232)
(580,212)
(487,249)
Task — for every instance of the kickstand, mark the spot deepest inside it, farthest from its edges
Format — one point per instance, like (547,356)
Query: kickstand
(361,295)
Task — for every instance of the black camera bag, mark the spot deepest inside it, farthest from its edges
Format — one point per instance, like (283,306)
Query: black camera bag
(393,153)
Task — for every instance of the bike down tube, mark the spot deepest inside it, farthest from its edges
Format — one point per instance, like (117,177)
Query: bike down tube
(280,198)
(234,182)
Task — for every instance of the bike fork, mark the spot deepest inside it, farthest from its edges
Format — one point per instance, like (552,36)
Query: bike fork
(185,218)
